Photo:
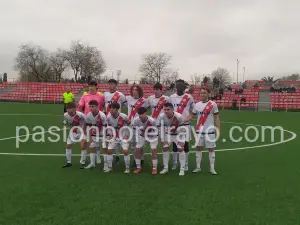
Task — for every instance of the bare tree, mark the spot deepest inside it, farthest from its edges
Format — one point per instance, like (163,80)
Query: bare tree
(196,78)
(33,63)
(84,60)
(170,77)
(93,63)
(222,76)
(155,66)
(58,64)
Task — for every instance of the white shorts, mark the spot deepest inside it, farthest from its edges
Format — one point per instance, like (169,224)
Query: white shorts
(141,142)
(75,138)
(116,143)
(173,138)
(206,140)
(188,133)
(96,142)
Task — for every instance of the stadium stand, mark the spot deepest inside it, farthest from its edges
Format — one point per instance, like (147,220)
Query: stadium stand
(52,92)
(285,100)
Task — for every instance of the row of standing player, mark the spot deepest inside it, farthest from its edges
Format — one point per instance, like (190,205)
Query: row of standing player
(183,105)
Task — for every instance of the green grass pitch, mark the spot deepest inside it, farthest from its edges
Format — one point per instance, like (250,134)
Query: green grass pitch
(257,183)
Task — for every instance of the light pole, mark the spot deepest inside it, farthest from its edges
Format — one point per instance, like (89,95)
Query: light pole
(237,70)
(244,74)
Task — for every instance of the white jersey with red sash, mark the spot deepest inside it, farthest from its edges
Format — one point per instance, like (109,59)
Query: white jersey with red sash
(172,124)
(157,105)
(116,124)
(205,112)
(99,121)
(143,126)
(113,97)
(77,120)
(133,106)
(182,104)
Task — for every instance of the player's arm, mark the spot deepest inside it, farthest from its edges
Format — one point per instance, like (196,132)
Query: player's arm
(191,108)
(123,100)
(217,118)
(193,113)
(81,104)
(147,104)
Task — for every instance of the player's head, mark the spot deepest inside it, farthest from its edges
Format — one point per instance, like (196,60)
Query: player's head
(93,86)
(204,93)
(112,85)
(71,108)
(168,109)
(142,111)
(114,108)
(180,87)
(93,104)
(136,91)
(157,89)
(68,89)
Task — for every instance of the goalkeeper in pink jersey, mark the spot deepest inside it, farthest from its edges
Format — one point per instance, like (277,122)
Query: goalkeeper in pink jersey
(91,95)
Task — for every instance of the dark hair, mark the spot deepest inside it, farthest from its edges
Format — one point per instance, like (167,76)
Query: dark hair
(206,89)
(115,105)
(142,110)
(112,81)
(93,83)
(168,104)
(180,81)
(71,105)
(157,86)
(139,89)
(93,102)
(180,87)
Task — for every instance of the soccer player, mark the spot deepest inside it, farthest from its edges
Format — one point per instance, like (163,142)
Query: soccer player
(145,126)
(114,96)
(84,103)
(92,95)
(76,120)
(170,122)
(208,113)
(157,101)
(183,104)
(116,121)
(95,122)
(134,102)
(68,97)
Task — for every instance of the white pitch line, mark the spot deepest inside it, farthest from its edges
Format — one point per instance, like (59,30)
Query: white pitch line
(159,153)
(217,150)
(8,138)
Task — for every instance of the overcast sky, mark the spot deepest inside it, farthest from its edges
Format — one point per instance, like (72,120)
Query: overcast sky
(201,35)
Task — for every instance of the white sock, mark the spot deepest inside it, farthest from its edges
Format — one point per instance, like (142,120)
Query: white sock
(98,152)
(198,158)
(212,160)
(154,163)
(92,158)
(175,157)
(187,158)
(182,159)
(83,156)
(127,161)
(166,157)
(138,163)
(105,158)
(109,160)
(68,155)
